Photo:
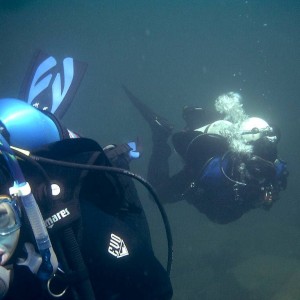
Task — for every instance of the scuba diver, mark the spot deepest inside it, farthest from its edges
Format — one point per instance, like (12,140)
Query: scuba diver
(71,222)
(230,160)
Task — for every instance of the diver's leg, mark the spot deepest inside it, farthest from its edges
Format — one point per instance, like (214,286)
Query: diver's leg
(158,169)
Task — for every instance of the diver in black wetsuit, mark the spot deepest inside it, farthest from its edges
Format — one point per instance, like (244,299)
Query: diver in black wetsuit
(95,221)
(230,165)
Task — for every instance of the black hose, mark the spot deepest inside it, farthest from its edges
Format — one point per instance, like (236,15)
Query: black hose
(76,265)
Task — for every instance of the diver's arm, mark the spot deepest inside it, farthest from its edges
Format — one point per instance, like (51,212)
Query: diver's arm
(281,177)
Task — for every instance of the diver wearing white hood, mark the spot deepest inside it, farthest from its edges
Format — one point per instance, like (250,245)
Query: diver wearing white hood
(230,163)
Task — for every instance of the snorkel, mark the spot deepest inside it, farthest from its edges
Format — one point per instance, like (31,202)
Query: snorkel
(21,190)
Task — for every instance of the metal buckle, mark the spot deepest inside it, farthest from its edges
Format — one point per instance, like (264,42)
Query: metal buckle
(50,281)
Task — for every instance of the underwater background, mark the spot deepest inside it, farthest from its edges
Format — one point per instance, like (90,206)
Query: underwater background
(171,54)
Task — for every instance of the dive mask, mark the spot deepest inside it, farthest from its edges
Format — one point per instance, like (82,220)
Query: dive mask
(9,216)
(9,228)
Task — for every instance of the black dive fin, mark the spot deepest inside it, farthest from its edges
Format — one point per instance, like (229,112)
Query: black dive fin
(156,122)
(51,84)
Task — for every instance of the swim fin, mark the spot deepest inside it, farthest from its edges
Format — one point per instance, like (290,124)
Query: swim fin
(157,123)
(51,84)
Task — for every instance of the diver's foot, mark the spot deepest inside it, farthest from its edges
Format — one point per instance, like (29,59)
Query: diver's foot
(158,124)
